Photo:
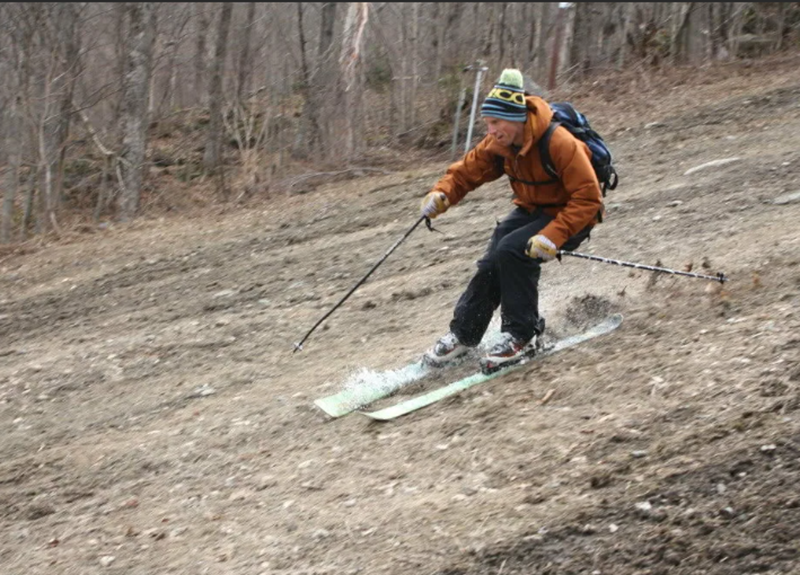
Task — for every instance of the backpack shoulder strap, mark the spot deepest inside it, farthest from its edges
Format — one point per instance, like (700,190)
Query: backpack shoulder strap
(500,164)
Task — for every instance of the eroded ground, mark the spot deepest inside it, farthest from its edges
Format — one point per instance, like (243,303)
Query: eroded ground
(154,420)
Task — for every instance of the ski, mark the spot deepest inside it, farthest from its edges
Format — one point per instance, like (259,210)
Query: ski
(404,407)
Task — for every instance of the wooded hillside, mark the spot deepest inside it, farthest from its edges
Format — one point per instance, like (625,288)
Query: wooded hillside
(106,107)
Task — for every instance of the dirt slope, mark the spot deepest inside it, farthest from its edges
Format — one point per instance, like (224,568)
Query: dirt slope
(154,419)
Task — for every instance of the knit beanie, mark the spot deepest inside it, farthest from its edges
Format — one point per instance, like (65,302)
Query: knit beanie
(507,99)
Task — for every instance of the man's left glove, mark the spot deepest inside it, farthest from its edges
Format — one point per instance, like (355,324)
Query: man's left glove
(540,246)
(433,204)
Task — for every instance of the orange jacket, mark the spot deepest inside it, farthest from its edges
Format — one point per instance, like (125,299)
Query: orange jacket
(575,200)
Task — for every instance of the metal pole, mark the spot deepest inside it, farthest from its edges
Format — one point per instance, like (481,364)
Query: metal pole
(299,345)
(720,277)
(481,70)
(559,25)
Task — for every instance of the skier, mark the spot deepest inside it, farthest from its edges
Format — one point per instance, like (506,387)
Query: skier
(550,214)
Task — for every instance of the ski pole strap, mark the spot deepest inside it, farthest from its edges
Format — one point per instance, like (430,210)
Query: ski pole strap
(720,277)
(430,226)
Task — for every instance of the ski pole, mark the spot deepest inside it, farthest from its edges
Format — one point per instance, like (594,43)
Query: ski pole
(299,345)
(720,277)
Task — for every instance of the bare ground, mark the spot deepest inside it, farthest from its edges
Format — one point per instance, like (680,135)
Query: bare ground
(154,419)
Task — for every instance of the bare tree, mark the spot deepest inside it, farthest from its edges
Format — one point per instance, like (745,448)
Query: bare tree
(141,37)
(200,50)
(245,63)
(299,76)
(9,118)
(625,26)
(414,67)
(323,78)
(59,33)
(213,153)
(582,26)
(393,60)
(178,18)
(544,21)
(326,28)
(687,41)
(352,68)
(308,130)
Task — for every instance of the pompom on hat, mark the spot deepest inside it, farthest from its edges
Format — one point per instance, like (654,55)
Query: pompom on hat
(507,99)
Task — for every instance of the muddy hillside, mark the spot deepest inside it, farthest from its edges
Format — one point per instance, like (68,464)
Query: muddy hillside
(155,420)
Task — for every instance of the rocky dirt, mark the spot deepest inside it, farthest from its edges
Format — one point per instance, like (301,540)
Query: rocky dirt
(154,419)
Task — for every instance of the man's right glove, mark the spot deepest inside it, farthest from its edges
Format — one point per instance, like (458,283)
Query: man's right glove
(433,204)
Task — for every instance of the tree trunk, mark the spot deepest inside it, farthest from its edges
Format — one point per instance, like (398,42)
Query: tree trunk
(303,59)
(323,80)
(581,46)
(119,10)
(720,29)
(200,51)
(489,32)
(28,204)
(213,153)
(394,63)
(528,35)
(501,48)
(437,37)
(326,28)
(351,61)
(737,18)
(412,96)
(545,19)
(25,110)
(69,32)
(171,94)
(781,23)
(308,130)
(245,64)
(680,41)
(12,144)
(696,40)
(142,20)
(556,52)
(402,81)
(450,35)
(606,36)
(625,25)
(54,128)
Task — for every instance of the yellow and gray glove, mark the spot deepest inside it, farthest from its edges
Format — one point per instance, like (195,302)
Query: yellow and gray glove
(540,246)
(434,204)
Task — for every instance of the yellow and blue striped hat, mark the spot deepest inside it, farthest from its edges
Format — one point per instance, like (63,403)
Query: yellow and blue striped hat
(507,99)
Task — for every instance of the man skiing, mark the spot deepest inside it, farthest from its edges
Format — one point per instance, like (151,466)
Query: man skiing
(550,214)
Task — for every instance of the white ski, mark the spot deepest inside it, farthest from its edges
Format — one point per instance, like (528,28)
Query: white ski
(407,406)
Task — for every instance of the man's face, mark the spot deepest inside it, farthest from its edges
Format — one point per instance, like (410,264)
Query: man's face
(504,131)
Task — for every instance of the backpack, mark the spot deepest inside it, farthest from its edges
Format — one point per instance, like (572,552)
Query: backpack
(565,114)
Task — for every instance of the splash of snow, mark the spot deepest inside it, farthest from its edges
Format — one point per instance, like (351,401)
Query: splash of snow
(387,381)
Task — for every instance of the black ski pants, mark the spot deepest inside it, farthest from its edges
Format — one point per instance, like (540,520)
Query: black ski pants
(507,278)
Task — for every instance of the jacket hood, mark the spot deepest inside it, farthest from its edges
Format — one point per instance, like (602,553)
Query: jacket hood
(539,117)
